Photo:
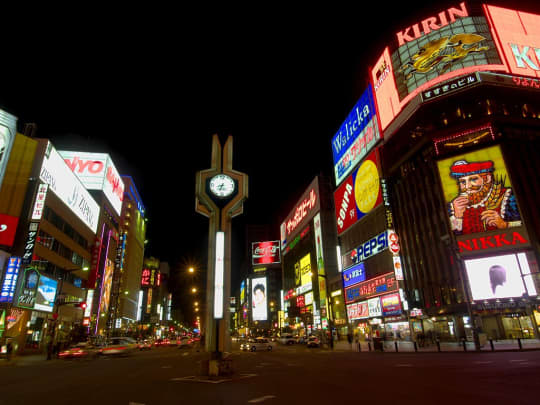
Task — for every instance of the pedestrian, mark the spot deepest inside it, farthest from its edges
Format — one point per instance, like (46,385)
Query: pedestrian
(349,339)
(9,350)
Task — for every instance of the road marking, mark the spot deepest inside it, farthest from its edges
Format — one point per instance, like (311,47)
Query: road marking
(135,403)
(483,362)
(403,365)
(247,375)
(193,378)
(166,366)
(519,361)
(261,399)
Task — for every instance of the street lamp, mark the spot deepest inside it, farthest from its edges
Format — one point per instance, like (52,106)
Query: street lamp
(191,270)
(193,290)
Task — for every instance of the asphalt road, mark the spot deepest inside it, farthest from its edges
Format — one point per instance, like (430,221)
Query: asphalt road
(287,375)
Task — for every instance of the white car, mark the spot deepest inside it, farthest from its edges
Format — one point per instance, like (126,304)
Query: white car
(119,346)
(253,345)
(287,339)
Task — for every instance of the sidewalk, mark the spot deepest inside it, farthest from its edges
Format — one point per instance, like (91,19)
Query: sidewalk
(25,360)
(406,346)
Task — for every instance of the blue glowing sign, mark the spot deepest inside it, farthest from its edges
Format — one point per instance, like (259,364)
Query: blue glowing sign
(356,136)
(10,279)
(354,275)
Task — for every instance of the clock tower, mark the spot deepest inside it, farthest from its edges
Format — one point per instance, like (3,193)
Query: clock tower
(220,193)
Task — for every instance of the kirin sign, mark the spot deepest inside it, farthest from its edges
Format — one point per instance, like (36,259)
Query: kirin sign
(265,252)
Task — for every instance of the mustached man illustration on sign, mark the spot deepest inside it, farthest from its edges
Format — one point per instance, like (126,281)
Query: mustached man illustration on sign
(484,202)
(442,53)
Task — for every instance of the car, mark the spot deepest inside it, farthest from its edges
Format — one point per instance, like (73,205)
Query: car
(300,339)
(184,341)
(253,345)
(287,339)
(313,341)
(173,342)
(119,346)
(145,344)
(161,342)
(83,350)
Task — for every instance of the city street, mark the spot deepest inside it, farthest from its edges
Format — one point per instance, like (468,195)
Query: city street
(287,375)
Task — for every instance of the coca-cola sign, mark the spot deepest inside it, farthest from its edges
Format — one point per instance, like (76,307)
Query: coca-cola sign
(265,252)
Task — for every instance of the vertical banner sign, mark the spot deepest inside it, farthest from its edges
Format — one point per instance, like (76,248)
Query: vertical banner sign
(39,204)
(10,279)
(219,275)
(356,136)
(259,308)
(30,243)
(319,245)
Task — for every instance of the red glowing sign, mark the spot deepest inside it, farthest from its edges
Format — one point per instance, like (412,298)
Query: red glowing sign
(265,252)
(494,241)
(300,301)
(8,226)
(518,39)
(145,277)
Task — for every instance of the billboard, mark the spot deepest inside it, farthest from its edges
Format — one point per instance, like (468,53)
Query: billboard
(372,288)
(354,275)
(451,43)
(8,130)
(374,305)
(356,136)
(46,294)
(259,309)
(478,192)
(358,310)
(359,194)
(503,276)
(68,188)
(97,172)
(8,227)
(391,305)
(299,217)
(305,270)
(517,39)
(106,285)
(369,248)
(265,252)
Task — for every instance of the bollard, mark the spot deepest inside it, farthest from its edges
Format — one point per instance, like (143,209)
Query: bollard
(519,344)
(464,345)
(395,344)
(415,346)
(438,346)
(369,346)
(359,347)
(491,344)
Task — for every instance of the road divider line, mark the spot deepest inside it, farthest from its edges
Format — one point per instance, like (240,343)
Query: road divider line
(261,399)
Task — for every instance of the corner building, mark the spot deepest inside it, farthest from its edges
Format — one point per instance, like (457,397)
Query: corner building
(460,158)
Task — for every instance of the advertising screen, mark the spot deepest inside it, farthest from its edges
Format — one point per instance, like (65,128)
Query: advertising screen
(46,294)
(374,305)
(259,309)
(503,276)
(372,288)
(356,136)
(265,252)
(106,287)
(354,275)
(68,188)
(305,269)
(97,172)
(359,194)
(391,305)
(478,192)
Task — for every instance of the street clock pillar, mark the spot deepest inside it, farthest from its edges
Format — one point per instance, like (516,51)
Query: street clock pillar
(220,193)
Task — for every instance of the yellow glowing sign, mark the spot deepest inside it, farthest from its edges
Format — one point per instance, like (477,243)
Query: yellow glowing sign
(366,187)
(305,269)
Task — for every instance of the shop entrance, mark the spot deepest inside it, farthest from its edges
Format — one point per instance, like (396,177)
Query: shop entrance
(518,325)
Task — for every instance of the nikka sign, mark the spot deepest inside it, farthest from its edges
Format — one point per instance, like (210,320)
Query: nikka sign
(508,239)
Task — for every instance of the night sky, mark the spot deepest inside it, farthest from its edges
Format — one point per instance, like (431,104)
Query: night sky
(151,86)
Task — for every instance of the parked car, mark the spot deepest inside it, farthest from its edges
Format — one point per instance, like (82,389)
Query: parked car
(83,350)
(313,341)
(287,339)
(253,345)
(119,346)
(184,341)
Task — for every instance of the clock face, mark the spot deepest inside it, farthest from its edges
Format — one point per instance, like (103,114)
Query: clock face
(222,185)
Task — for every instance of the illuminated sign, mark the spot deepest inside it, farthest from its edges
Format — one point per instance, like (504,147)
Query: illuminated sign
(89,302)
(305,270)
(8,129)
(28,289)
(219,276)
(265,252)
(359,194)
(374,246)
(517,39)
(374,305)
(28,253)
(39,204)
(503,276)
(304,288)
(309,298)
(10,279)
(354,275)
(494,241)
(398,269)
(335,293)
(391,305)
(450,86)
(478,192)
(8,227)
(356,136)
(106,285)
(259,309)
(358,310)
(46,294)
(304,210)
(318,244)
(145,277)
(97,172)
(66,186)
(372,288)
(300,301)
